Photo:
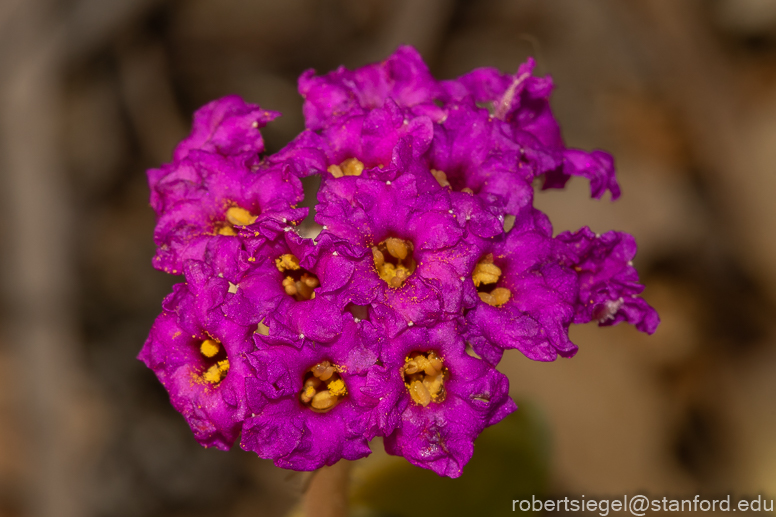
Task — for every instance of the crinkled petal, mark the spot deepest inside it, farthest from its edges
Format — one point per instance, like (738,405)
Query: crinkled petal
(214,411)
(196,199)
(609,284)
(228,126)
(283,429)
(540,308)
(440,436)
(402,77)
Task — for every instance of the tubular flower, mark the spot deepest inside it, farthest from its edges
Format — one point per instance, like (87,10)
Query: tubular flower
(228,126)
(306,405)
(608,282)
(449,398)
(371,140)
(431,262)
(522,101)
(525,294)
(473,152)
(201,361)
(403,77)
(209,197)
(418,252)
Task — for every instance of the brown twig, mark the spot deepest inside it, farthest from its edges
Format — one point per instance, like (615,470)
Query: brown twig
(328,493)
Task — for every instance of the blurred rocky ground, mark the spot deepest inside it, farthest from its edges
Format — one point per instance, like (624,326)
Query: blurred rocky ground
(93,92)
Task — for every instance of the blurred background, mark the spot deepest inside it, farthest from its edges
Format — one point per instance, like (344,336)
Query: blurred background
(683,94)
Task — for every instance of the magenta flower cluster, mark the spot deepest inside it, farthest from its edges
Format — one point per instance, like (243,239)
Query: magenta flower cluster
(430,263)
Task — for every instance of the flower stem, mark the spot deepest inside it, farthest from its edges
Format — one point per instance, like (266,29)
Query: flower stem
(329,491)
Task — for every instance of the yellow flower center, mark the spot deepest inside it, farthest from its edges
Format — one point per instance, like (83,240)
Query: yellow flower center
(323,387)
(424,377)
(443,181)
(350,167)
(235,216)
(215,354)
(486,275)
(393,261)
(298,282)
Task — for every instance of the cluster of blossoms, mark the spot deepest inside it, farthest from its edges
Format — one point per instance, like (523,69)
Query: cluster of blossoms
(430,263)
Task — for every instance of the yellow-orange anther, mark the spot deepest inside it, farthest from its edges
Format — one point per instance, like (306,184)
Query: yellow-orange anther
(498,297)
(323,370)
(217,372)
(424,377)
(335,171)
(411,366)
(287,262)
(441,178)
(307,394)
(305,286)
(289,286)
(397,247)
(299,286)
(420,393)
(227,229)
(350,167)
(435,362)
(400,274)
(337,388)
(209,348)
(323,400)
(393,261)
(485,273)
(433,383)
(239,216)
(324,388)
(378,257)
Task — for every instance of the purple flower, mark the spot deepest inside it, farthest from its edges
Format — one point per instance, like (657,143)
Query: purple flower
(304,155)
(228,126)
(471,150)
(201,361)
(430,244)
(207,196)
(307,409)
(294,287)
(608,282)
(373,137)
(522,101)
(524,295)
(418,253)
(403,77)
(448,398)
